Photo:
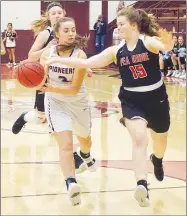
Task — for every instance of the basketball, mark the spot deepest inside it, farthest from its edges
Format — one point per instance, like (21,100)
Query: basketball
(30,73)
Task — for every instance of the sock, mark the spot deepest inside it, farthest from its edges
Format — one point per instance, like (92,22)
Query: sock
(142,182)
(85,156)
(70,180)
(34,117)
(156,160)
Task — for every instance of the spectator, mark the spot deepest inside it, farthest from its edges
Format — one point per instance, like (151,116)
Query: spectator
(100,26)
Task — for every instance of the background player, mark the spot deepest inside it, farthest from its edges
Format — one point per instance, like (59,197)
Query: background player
(10,43)
(143,96)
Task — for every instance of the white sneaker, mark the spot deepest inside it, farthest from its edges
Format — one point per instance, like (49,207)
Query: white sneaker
(183,76)
(169,73)
(90,162)
(182,73)
(174,73)
(74,193)
(141,195)
(178,74)
(9,64)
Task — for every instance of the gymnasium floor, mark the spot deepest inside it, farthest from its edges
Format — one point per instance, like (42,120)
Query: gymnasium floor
(31,180)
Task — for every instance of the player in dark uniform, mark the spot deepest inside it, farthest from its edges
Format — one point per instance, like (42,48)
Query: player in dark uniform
(143,96)
(44,39)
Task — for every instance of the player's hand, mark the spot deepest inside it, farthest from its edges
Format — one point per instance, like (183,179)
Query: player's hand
(165,36)
(89,72)
(47,88)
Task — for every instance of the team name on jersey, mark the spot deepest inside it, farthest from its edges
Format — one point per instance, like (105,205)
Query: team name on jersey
(61,70)
(134,59)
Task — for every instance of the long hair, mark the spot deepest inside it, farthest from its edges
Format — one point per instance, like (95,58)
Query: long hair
(39,25)
(79,42)
(146,23)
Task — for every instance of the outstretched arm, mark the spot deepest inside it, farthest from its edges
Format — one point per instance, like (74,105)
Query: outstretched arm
(101,60)
(162,43)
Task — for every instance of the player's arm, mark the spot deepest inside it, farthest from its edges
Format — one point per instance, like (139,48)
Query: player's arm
(36,49)
(75,86)
(162,43)
(3,51)
(101,60)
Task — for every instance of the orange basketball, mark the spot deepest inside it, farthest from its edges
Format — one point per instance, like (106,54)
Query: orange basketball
(30,73)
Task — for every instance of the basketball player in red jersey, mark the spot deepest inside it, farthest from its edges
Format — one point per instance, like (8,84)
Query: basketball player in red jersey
(143,96)
(43,30)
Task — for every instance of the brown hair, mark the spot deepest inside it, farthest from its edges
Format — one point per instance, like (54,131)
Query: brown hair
(39,25)
(146,23)
(79,42)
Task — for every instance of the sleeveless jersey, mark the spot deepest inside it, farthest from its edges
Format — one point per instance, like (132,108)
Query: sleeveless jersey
(60,75)
(139,67)
(51,36)
(10,39)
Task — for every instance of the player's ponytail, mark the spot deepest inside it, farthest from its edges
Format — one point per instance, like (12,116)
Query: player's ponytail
(39,25)
(146,23)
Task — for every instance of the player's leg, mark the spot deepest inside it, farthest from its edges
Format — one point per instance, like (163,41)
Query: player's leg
(84,152)
(138,132)
(13,56)
(60,120)
(36,116)
(9,56)
(80,166)
(82,129)
(65,144)
(136,123)
(160,123)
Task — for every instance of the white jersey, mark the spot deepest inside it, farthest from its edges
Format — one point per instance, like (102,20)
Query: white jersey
(62,75)
(10,39)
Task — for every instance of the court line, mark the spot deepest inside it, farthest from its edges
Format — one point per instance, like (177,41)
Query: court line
(99,165)
(57,162)
(87,192)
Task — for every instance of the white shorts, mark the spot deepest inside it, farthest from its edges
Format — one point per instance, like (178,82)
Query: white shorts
(73,116)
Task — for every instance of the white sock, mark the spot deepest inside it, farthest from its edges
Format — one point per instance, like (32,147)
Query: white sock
(34,117)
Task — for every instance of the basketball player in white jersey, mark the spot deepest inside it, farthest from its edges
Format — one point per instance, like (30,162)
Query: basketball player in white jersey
(10,43)
(44,38)
(66,108)
(143,96)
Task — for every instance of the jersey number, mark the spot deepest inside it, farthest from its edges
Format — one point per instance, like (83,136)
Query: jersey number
(138,71)
(63,79)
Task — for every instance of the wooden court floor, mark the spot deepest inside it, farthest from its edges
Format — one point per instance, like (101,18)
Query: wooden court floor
(31,180)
